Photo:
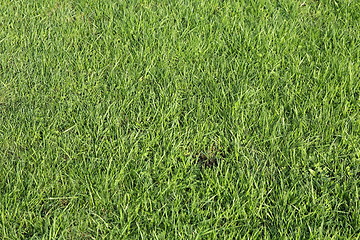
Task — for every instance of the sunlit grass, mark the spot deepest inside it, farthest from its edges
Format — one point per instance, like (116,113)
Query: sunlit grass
(179,119)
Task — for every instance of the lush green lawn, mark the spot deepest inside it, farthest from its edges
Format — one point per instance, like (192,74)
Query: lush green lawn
(180,119)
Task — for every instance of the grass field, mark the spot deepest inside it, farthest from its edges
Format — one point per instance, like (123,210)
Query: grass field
(180,119)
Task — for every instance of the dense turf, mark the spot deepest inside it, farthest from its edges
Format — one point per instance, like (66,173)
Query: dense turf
(179,119)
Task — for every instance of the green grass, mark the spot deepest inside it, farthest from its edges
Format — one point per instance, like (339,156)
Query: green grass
(180,119)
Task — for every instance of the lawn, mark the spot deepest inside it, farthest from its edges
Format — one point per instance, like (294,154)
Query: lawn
(164,119)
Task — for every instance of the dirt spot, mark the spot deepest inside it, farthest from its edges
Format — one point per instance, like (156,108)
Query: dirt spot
(206,161)
(209,159)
